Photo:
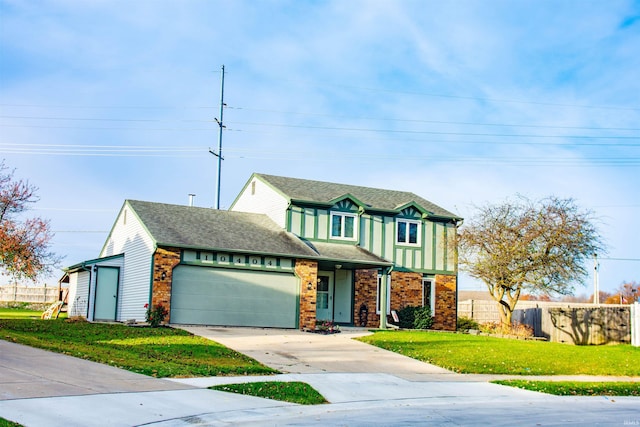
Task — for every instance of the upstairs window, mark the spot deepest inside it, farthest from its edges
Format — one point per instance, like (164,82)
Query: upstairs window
(408,232)
(343,226)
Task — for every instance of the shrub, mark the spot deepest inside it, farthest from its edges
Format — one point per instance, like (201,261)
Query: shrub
(155,315)
(496,328)
(415,318)
(464,324)
(406,316)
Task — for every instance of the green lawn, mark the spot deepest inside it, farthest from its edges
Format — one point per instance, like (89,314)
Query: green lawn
(159,352)
(573,388)
(488,355)
(19,313)
(294,392)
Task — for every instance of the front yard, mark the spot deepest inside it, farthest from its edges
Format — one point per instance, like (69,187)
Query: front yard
(473,354)
(158,352)
(168,352)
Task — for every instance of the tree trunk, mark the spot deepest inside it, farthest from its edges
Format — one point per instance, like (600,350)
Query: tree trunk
(505,312)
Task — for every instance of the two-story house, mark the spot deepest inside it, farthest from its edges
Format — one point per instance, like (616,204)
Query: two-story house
(289,252)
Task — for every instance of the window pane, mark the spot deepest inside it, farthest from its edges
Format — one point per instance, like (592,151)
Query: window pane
(323,284)
(323,300)
(336,226)
(402,232)
(348,226)
(413,233)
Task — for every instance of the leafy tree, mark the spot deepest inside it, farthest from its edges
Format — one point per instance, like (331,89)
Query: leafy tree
(539,247)
(24,243)
(627,293)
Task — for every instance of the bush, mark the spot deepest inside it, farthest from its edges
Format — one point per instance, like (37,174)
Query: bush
(155,315)
(517,330)
(464,324)
(415,318)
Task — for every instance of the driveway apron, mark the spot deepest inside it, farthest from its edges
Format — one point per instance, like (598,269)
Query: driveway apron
(27,372)
(297,352)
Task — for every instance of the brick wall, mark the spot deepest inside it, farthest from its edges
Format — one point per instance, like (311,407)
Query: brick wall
(307,271)
(445,310)
(365,292)
(406,290)
(164,260)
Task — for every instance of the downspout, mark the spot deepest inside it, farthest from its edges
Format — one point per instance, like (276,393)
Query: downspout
(383,297)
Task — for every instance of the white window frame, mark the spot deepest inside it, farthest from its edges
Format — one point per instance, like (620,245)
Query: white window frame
(342,226)
(431,282)
(406,223)
(378,289)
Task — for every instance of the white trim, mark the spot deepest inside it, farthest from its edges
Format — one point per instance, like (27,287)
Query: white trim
(432,291)
(418,234)
(388,280)
(342,226)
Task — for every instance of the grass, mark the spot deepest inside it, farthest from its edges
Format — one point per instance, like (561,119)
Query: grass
(294,392)
(573,388)
(19,313)
(473,354)
(158,352)
(7,423)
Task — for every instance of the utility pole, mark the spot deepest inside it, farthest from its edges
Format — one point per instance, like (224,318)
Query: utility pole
(221,126)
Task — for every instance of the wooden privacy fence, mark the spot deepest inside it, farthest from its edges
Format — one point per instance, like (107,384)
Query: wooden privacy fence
(31,294)
(580,324)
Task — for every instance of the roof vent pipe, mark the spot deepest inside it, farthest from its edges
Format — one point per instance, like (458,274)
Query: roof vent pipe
(191,196)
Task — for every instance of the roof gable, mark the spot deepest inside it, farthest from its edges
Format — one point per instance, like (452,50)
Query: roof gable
(304,190)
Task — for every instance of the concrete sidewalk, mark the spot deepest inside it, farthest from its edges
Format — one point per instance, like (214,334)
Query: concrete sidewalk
(365,385)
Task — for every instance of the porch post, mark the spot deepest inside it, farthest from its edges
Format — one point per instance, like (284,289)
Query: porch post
(385,282)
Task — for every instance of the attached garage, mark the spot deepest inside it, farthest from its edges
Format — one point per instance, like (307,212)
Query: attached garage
(218,296)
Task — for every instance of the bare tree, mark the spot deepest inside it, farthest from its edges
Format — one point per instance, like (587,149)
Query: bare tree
(24,242)
(540,247)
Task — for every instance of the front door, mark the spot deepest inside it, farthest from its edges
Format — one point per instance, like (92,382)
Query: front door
(106,293)
(324,299)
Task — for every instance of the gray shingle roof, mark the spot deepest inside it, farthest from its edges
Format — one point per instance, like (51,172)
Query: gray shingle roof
(375,198)
(347,253)
(205,228)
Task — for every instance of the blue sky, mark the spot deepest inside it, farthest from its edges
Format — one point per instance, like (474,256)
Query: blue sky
(461,102)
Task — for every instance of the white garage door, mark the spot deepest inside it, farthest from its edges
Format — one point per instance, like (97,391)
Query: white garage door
(214,296)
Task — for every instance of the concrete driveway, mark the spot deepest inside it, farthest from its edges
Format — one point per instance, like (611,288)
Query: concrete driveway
(297,352)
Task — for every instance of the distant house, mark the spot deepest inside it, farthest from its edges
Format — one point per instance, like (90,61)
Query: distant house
(288,253)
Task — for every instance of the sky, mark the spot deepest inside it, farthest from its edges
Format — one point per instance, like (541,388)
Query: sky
(461,102)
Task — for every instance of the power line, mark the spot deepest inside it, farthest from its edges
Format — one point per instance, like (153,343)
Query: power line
(433,121)
(435,132)
(342,117)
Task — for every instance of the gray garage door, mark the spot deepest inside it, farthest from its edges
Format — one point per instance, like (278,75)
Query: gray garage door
(211,296)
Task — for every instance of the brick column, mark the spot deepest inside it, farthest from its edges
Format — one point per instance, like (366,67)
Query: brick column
(307,271)
(446,310)
(365,292)
(164,260)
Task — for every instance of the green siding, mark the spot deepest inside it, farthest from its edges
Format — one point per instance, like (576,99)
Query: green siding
(451,253)
(309,223)
(296,221)
(427,238)
(323,225)
(389,237)
(440,246)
